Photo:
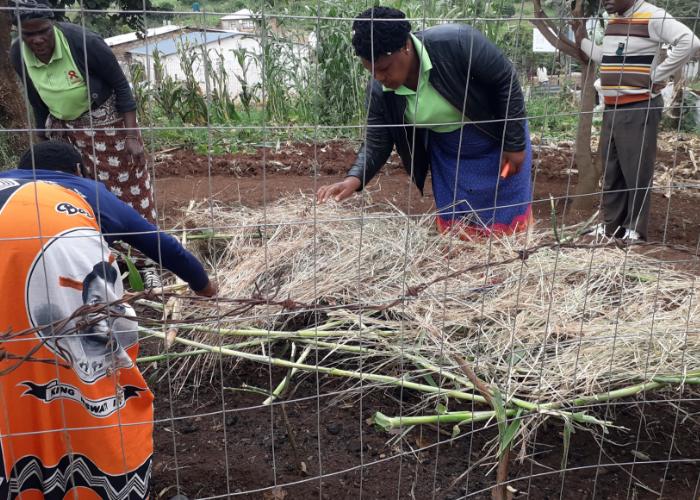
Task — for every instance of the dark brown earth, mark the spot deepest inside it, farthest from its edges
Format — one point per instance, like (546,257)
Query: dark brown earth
(263,176)
(221,442)
(260,450)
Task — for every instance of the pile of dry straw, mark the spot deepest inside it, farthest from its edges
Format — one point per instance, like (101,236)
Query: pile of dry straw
(553,334)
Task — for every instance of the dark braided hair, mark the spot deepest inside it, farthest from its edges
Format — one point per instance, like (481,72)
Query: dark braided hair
(26,10)
(378,31)
(52,155)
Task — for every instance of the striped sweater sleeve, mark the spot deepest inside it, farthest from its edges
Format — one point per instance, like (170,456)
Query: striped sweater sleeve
(593,51)
(664,28)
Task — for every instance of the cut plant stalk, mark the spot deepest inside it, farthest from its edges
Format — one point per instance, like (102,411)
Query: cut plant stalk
(282,386)
(195,352)
(316,332)
(172,309)
(388,423)
(335,372)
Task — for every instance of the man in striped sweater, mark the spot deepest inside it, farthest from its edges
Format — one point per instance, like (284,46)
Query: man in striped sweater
(632,77)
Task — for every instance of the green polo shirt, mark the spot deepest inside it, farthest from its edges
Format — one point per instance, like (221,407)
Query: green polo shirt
(59,82)
(425,106)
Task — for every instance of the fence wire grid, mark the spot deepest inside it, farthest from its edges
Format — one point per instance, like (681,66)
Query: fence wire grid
(239,259)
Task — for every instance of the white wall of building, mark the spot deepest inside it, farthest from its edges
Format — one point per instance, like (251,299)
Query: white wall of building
(238,24)
(241,20)
(692,70)
(224,47)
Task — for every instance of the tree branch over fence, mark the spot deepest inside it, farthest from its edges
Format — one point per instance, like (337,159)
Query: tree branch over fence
(589,171)
(556,36)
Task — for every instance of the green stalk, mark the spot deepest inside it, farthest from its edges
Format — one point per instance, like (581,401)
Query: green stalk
(692,378)
(656,383)
(677,380)
(436,369)
(260,332)
(388,423)
(196,352)
(342,347)
(419,360)
(150,303)
(216,236)
(282,386)
(335,372)
(553,217)
(617,394)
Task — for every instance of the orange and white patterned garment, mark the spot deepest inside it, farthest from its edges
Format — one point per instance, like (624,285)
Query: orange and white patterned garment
(76,419)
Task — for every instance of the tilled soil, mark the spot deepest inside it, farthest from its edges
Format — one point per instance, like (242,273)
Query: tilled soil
(222,442)
(255,178)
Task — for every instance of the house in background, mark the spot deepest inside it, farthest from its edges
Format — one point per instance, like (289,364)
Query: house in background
(121,44)
(177,47)
(243,20)
(194,45)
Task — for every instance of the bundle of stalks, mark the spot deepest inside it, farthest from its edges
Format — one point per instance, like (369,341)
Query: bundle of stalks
(386,301)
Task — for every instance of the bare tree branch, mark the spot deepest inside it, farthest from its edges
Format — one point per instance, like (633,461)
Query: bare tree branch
(12,111)
(560,43)
(555,35)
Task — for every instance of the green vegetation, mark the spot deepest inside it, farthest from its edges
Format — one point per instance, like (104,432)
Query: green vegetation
(9,151)
(118,17)
(307,92)
(553,116)
(313,93)
(689,120)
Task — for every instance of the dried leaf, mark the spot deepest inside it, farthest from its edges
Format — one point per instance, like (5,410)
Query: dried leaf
(641,455)
(275,494)
(422,442)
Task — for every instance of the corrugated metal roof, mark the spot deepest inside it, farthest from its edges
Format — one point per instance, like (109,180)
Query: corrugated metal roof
(132,37)
(240,15)
(193,39)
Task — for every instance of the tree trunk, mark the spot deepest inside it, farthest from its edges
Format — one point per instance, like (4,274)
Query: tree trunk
(589,171)
(12,110)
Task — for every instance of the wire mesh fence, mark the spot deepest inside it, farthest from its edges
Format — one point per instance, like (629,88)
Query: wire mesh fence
(276,250)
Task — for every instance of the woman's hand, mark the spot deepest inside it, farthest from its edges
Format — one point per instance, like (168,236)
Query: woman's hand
(208,291)
(511,162)
(134,145)
(338,191)
(135,148)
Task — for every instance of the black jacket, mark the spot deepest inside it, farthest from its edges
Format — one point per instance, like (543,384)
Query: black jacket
(464,62)
(105,77)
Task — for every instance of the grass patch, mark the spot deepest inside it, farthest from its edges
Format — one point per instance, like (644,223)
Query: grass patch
(249,132)
(555,116)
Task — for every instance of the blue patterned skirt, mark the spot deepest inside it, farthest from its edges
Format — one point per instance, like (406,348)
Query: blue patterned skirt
(467,186)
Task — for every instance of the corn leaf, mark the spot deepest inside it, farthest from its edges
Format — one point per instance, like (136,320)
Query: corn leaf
(135,280)
(510,432)
(568,431)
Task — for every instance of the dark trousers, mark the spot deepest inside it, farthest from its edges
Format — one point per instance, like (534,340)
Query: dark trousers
(628,153)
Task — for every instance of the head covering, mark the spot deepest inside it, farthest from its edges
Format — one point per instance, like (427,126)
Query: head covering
(52,155)
(25,10)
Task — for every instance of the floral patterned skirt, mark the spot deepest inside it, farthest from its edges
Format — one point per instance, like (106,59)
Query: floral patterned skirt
(100,137)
